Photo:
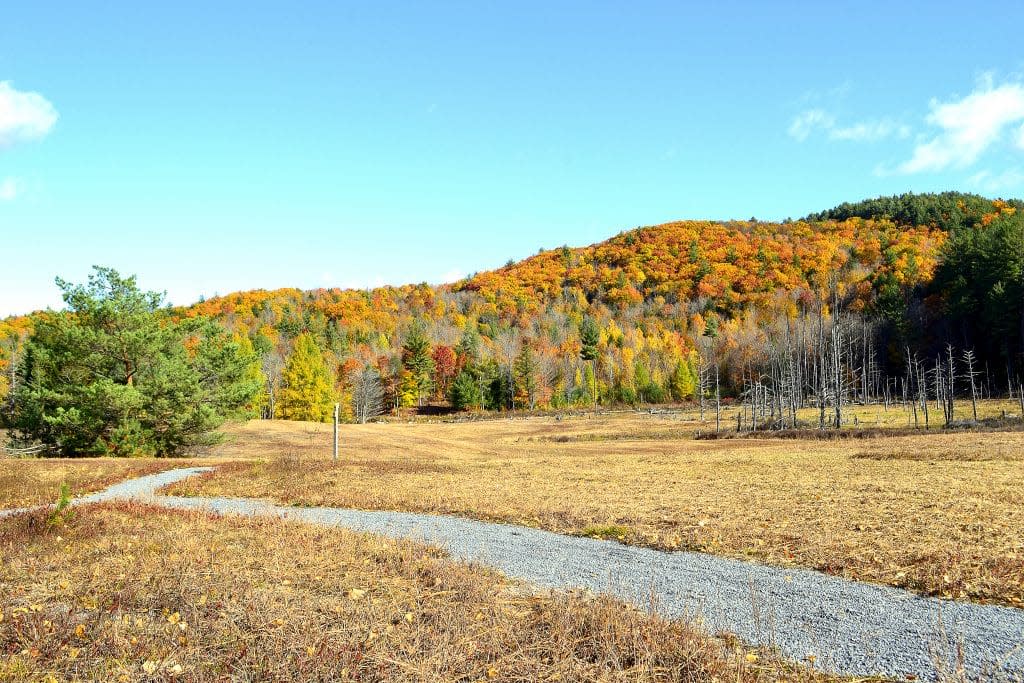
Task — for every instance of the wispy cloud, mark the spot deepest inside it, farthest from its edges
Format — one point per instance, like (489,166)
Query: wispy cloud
(807,122)
(1010,179)
(813,120)
(870,131)
(9,189)
(24,116)
(968,127)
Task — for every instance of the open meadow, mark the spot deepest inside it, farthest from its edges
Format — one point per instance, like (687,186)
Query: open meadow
(127,591)
(124,592)
(940,513)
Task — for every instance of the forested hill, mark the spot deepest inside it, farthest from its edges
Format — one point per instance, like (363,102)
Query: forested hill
(722,268)
(641,315)
(949,211)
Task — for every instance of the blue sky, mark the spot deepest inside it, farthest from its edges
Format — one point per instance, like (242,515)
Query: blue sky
(210,147)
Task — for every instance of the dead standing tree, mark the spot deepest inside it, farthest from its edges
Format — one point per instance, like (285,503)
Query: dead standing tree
(970,359)
(952,383)
(367,395)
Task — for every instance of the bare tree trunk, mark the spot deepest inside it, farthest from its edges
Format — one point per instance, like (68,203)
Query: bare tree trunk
(820,366)
(701,383)
(753,407)
(718,404)
(922,378)
(910,375)
(837,358)
(940,390)
(969,359)
(952,381)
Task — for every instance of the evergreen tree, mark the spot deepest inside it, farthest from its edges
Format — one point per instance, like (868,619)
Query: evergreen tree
(589,338)
(499,386)
(468,348)
(526,377)
(982,279)
(307,391)
(116,375)
(417,359)
(711,327)
(464,393)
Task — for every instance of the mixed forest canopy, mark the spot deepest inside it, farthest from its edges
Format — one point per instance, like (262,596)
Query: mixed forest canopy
(848,304)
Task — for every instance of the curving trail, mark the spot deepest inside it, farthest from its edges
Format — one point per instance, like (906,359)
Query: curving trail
(849,627)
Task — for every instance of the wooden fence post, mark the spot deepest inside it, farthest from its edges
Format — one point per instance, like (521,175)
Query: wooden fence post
(335,432)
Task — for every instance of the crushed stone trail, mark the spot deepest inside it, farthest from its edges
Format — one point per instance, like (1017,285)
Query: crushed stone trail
(849,627)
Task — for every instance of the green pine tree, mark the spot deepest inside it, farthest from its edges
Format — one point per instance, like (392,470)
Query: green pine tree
(468,348)
(464,393)
(417,359)
(527,383)
(589,338)
(117,375)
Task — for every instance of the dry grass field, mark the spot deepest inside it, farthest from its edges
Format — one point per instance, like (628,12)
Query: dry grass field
(129,593)
(941,513)
(28,482)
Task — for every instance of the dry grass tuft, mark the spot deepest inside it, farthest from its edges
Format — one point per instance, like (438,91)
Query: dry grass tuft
(29,482)
(129,593)
(918,454)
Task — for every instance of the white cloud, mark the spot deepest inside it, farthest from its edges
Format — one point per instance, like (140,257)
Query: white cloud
(1010,179)
(870,131)
(24,116)
(968,127)
(813,120)
(9,189)
(806,123)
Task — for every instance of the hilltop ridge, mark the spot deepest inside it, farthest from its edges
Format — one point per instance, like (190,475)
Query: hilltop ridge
(655,295)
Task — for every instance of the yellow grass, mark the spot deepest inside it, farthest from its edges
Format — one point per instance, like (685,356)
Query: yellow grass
(128,593)
(941,513)
(28,482)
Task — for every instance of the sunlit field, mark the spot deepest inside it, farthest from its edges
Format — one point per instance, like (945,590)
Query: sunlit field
(940,513)
(129,593)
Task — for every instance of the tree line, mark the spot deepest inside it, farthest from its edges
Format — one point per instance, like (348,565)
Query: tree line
(855,305)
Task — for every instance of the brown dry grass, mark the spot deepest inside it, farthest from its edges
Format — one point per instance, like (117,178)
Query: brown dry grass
(941,513)
(28,482)
(129,593)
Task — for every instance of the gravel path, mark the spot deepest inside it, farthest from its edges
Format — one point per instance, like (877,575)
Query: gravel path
(850,627)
